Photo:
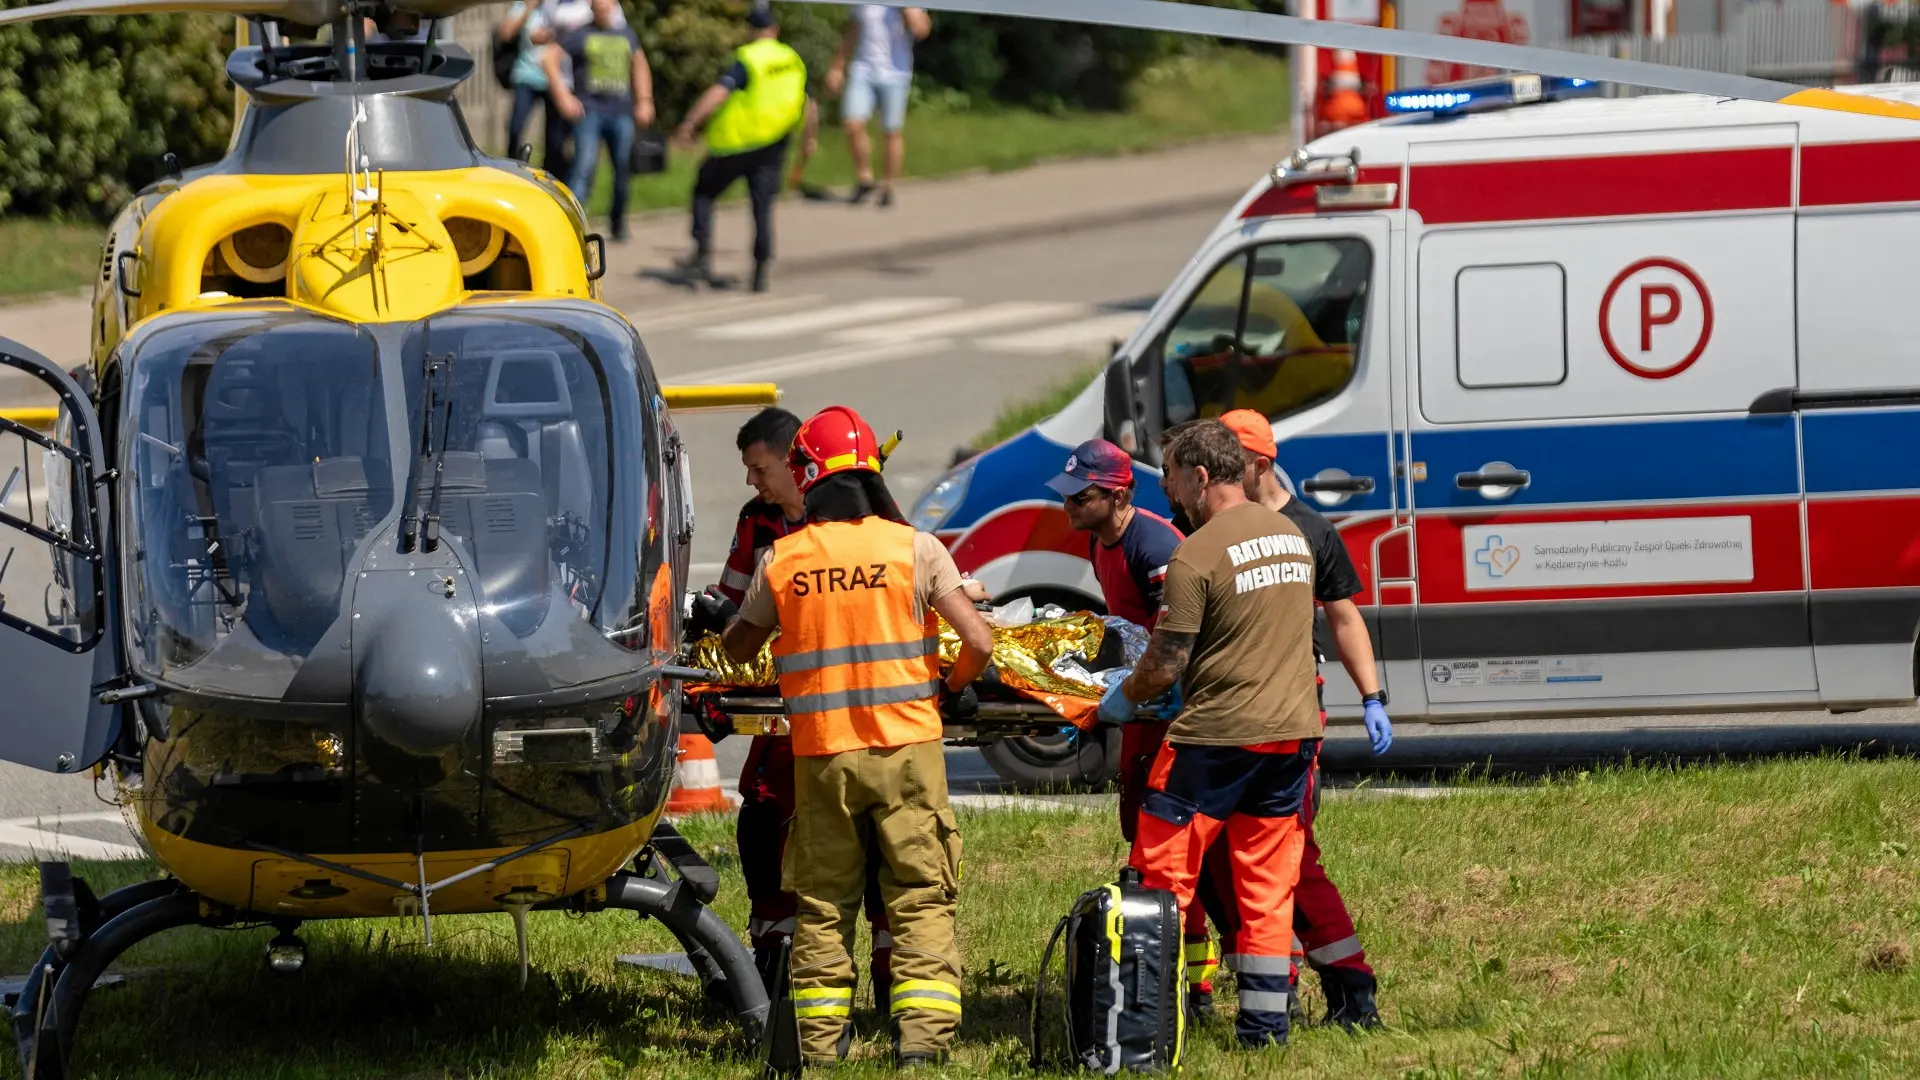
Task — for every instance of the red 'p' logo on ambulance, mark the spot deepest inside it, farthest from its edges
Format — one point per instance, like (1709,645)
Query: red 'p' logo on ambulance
(1662,307)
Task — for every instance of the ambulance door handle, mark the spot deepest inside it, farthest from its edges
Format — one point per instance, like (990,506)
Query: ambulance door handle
(1351,485)
(1495,480)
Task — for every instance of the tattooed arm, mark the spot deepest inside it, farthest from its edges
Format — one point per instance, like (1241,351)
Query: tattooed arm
(1162,665)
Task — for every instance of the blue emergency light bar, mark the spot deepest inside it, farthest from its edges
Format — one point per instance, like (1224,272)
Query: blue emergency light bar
(1479,95)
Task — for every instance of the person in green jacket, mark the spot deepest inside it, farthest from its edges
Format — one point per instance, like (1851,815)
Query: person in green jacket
(750,113)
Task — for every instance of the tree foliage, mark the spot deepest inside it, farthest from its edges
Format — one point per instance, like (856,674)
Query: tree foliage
(89,106)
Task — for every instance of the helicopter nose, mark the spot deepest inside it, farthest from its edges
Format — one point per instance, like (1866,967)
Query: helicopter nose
(419,687)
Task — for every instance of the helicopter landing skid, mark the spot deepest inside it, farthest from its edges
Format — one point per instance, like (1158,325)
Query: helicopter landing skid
(716,954)
(86,936)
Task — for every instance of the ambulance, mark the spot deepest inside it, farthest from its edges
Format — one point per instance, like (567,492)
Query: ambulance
(1615,402)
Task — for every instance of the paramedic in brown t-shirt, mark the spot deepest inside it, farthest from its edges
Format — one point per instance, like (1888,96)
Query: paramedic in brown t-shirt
(1236,632)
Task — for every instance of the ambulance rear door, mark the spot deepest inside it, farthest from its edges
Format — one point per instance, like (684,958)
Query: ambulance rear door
(1600,524)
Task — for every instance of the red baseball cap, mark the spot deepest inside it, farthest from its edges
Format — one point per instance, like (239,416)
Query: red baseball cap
(1253,430)
(1095,462)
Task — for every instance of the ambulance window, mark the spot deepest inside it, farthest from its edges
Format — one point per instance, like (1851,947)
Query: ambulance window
(1510,326)
(1275,328)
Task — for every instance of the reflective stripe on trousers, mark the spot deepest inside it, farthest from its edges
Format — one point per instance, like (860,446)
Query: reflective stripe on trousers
(827,1001)
(1253,964)
(1263,1001)
(925,994)
(1203,961)
(1336,951)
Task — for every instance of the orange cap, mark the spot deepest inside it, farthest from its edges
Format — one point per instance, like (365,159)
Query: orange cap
(1253,430)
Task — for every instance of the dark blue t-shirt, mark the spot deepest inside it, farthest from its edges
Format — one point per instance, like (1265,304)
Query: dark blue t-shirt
(1133,572)
(602,66)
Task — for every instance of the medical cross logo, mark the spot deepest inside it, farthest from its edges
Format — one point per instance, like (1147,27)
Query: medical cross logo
(1496,557)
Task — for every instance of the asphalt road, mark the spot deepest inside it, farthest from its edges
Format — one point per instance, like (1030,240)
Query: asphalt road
(936,346)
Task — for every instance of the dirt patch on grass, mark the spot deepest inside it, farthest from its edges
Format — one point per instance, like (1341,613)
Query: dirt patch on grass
(1887,957)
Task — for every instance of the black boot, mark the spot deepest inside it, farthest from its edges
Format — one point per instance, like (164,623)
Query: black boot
(694,267)
(1349,999)
(759,277)
(1199,1005)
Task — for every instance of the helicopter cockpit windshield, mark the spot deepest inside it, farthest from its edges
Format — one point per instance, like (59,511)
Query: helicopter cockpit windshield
(267,460)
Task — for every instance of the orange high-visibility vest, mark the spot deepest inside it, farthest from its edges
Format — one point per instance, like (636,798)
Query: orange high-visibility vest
(856,668)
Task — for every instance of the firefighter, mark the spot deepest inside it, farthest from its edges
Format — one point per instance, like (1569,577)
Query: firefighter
(1327,939)
(854,596)
(766,778)
(1236,632)
(1129,548)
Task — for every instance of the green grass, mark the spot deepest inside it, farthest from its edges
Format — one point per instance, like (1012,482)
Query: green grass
(43,256)
(1229,93)
(1017,416)
(1725,922)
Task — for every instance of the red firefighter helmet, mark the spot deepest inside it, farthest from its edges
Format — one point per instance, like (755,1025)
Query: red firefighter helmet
(832,440)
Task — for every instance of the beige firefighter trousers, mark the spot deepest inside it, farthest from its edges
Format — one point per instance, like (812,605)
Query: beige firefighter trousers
(891,802)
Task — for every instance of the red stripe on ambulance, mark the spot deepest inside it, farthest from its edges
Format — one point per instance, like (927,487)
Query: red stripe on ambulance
(1604,186)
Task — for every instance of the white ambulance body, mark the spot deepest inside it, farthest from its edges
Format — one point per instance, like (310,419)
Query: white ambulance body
(1616,403)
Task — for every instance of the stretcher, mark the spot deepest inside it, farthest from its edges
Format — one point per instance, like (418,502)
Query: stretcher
(1046,678)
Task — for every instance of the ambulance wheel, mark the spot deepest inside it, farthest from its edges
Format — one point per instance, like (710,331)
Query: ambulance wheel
(1078,761)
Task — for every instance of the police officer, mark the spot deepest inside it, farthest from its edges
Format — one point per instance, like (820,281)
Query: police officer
(754,106)
(854,597)
(1237,635)
(1327,939)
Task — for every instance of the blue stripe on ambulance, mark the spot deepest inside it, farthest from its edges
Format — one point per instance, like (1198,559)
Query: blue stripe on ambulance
(1870,450)
(1641,461)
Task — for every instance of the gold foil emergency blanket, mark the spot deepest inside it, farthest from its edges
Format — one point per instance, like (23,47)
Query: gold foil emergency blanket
(1023,656)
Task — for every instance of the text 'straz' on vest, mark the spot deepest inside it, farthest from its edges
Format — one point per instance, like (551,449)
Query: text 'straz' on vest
(832,579)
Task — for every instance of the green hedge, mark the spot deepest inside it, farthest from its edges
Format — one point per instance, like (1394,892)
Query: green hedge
(89,106)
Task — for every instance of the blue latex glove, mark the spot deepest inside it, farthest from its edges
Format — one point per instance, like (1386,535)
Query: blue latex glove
(1379,728)
(1114,706)
(1167,705)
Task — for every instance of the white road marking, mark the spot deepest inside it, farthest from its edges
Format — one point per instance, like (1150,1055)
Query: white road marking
(40,835)
(817,362)
(808,322)
(966,321)
(676,316)
(1099,330)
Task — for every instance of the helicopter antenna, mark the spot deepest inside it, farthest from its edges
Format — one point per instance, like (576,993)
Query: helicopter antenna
(360,187)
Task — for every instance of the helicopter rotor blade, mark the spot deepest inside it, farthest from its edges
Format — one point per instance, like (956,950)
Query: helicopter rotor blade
(301,12)
(1182,18)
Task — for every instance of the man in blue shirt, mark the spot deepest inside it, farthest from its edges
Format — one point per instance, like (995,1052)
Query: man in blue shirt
(609,96)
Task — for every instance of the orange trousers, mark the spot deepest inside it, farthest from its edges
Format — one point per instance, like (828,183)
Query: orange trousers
(1254,797)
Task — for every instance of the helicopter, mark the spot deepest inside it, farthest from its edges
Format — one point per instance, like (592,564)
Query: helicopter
(368,522)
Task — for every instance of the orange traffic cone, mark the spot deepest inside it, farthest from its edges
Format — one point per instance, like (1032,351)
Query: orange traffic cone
(1343,106)
(696,782)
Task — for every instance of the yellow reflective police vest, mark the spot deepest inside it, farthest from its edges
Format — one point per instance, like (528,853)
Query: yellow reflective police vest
(773,102)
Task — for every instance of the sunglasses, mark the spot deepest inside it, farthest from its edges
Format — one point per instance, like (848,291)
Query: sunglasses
(1087,496)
